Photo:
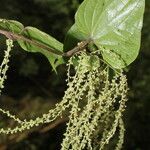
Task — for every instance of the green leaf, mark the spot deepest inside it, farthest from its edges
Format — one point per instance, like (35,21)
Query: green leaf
(43,39)
(114,26)
(35,38)
(72,38)
(11,25)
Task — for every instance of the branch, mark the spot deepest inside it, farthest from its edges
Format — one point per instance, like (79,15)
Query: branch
(81,46)
(53,125)
(14,36)
(11,139)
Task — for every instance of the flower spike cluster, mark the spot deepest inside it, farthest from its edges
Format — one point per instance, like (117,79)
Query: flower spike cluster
(94,99)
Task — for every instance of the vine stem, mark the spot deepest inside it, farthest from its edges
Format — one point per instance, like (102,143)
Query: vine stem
(13,36)
(80,47)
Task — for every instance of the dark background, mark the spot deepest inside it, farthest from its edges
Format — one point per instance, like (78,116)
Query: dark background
(32,86)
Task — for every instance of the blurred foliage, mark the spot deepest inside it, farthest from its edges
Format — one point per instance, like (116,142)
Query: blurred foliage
(29,107)
(30,74)
(138,108)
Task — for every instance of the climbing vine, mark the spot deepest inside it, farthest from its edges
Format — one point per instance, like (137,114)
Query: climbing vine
(97,48)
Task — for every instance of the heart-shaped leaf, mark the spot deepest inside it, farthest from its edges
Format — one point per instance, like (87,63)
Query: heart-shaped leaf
(114,26)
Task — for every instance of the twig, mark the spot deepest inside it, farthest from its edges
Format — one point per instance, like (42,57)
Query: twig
(53,125)
(14,36)
(81,46)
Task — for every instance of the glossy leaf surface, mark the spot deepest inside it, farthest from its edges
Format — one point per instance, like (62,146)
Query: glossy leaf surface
(114,26)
